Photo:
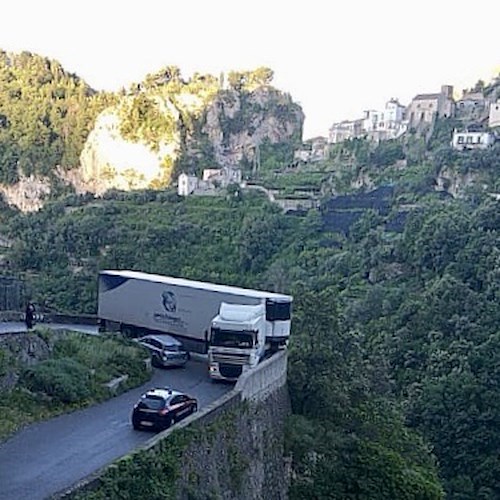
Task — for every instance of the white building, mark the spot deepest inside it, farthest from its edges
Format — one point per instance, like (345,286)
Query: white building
(394,111)
(472,140)
(313,150)
(387,124)
(302,155)
(186,184)
(212,178)
(375,125)
(371,120)
(345,130)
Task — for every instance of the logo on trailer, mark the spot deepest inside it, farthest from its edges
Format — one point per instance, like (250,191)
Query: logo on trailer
(169,316)
(169,301)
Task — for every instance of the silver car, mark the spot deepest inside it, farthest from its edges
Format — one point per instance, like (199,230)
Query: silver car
(165,350)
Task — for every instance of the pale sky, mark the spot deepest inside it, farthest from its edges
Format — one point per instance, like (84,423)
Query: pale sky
(336,59)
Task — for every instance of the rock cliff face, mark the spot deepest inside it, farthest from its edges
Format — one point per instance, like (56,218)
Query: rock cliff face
(110,161)
(165,134)
(28,194)
(237,123)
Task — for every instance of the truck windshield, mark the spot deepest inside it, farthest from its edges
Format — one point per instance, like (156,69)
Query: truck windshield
(227,338)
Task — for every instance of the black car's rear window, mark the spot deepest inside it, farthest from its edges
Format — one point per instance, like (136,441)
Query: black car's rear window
(152,402)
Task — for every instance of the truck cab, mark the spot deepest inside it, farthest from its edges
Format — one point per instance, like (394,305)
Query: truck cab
(237,340)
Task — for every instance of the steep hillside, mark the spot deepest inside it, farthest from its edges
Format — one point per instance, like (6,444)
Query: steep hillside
(166,124)
(58,135)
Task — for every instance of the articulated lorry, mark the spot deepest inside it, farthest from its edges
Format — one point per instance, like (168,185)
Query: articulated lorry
(235,326)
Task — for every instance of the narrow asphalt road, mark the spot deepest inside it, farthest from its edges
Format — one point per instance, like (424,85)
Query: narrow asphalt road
(48,457)
(19,326)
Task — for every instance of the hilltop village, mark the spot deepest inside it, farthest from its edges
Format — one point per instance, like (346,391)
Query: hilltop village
(480,112)
(477,112)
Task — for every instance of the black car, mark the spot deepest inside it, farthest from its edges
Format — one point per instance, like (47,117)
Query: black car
(165,350)
(158,408)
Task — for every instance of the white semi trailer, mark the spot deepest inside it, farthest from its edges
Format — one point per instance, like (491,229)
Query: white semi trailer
(236,326)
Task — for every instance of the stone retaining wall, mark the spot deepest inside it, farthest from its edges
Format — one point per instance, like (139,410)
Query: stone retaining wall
(268,376)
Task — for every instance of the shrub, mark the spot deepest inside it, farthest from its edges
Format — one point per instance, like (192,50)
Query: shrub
(65,380)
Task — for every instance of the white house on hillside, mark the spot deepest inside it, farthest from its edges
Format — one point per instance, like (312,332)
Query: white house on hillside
(375,125)
(387,124)
(212,178)
(345,130)
(313,150)
(186,184)
(472,140)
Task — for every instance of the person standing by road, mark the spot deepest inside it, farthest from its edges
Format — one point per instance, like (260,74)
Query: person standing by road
(29,315)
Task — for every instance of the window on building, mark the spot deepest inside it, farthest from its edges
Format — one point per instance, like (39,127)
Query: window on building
(468,140)
(460,139)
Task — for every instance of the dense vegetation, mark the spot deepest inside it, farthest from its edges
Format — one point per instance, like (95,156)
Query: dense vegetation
(45,116)
(393,331)
(395,353)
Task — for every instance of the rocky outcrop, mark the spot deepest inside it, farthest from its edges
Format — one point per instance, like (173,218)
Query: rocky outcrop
(28,194)
(110,161)
(231,124)
(453,182)
(237,123)
(20,349)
